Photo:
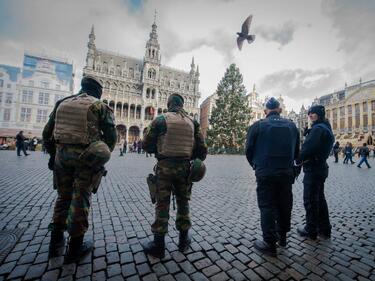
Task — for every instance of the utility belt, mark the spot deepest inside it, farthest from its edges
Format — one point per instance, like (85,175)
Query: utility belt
(173,159)
(152,181)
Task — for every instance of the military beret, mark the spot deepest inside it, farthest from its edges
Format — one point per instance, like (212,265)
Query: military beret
(92,80)
(176,99)
(272,103)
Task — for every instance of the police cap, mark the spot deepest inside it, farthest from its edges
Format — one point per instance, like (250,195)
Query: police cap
(272,103)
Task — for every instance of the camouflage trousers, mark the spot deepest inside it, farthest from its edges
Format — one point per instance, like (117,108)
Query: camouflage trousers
(73,180)
(172,175)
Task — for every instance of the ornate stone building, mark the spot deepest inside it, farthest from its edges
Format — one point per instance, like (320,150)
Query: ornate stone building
(351,112)
(28,94)
(137,89)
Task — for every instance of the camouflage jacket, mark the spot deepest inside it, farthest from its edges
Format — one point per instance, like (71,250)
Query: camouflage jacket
(158,127)
(106,125)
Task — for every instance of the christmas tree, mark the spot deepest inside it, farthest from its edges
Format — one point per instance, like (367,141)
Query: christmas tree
(231,115)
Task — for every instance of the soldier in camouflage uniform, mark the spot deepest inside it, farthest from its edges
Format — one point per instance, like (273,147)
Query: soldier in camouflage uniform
(79,136)
(175,139)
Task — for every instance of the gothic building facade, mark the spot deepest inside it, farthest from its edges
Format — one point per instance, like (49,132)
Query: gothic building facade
(137,89)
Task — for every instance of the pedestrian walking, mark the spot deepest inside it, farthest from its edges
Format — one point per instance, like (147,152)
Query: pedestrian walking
(139,146)
(364,153)
(20,144)
(272,147)
(314,153)
(125,146)
(121,145)
(336,150)
(135,146)
(175,139)
(348,151)
(79,136)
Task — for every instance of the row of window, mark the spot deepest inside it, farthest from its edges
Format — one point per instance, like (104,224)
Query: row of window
(357,111)
(43,84)
(25,115)
(27,97)
(2,84)
(352,122)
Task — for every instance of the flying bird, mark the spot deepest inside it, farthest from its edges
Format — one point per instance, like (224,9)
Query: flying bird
(244,34)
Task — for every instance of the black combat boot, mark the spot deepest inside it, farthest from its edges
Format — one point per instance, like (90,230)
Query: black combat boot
(266,248)
(57,242)
(156,248)
(77,249)
(184,240)
(304,233)
(281,239)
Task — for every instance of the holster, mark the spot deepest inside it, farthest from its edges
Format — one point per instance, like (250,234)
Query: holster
(152,186)
(97,178)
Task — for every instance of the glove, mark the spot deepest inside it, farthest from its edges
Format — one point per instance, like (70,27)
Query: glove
(51,163)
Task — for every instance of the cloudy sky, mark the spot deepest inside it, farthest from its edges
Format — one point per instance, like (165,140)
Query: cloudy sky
(303,48)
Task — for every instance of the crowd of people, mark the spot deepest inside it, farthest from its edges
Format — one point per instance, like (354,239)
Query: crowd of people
(363,152)
(134,147)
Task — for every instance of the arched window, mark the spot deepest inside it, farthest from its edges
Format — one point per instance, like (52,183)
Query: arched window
(152,73)
(153,93)
(148,93)
(153,53)
(105,67)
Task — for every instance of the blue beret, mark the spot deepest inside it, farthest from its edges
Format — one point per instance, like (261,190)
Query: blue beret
(272,103)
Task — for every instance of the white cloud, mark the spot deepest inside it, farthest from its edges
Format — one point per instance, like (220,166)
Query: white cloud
(303,48)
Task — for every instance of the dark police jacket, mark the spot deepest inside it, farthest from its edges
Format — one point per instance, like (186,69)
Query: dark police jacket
(272,146)
(317,147)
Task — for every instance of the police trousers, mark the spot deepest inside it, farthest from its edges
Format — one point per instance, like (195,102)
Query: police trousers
(172,176)
(317,215)
(74,186)
(275,201)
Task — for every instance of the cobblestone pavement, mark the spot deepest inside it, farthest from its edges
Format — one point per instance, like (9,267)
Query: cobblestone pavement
(225,223)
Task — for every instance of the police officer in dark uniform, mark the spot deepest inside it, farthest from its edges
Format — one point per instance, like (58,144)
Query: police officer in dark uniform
(271,148)
(314,153)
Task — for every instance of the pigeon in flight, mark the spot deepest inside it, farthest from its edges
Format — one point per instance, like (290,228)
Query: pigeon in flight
(244,34)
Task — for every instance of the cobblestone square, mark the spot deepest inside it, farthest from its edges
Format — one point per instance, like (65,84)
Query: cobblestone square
(225,220)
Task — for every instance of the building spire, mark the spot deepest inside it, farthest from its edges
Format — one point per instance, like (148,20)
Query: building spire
(254,87)
(192,66)
(155,13)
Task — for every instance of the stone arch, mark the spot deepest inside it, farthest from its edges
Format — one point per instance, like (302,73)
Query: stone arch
(132,111)
(133,134)
(118,110)
(138,112)
(149,113)
(112,104)
(121,132)
(125,110)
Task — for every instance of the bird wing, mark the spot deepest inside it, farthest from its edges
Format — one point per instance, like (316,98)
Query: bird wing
(240,42)
(246,25)
(250,39)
